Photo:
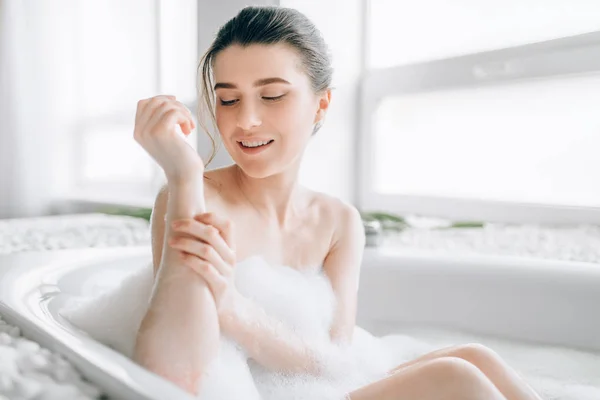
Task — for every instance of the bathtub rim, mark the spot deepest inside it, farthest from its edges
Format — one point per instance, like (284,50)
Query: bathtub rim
(94,360)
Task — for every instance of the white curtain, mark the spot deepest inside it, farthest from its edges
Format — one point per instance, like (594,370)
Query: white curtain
(72,72)
(28,98)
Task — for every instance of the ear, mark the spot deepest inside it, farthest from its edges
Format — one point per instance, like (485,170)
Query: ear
(324,101)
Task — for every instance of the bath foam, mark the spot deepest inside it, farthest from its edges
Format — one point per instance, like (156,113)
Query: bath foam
(301,300)
(304,302)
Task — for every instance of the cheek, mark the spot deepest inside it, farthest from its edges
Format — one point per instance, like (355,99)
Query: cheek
(224,120)
(293,117)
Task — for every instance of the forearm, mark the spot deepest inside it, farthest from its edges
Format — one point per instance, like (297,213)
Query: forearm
(270,342)
(177,335)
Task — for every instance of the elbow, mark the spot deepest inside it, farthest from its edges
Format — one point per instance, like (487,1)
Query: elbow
(184,378)
(146,354)
(341,336)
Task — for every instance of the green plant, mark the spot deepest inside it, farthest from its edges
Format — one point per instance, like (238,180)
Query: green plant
(465,224)
(137,212)
(397,223)
(389,222)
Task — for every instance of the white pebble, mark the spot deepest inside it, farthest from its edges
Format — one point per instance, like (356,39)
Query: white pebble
(8,358)
(62,374)
(59,392)
(14,331)
(28,346)
(88,389)
(39,376)
(5,338)
(28,362)
(46,353)
(26,388)
(59,361)
(6,383)
(7,352)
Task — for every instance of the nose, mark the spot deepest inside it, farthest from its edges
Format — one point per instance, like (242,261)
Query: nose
(248,116)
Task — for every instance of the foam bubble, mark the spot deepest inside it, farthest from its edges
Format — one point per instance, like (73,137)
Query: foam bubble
(300,301)
(303,302)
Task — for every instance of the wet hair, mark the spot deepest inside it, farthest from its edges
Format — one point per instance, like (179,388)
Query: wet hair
(264,26)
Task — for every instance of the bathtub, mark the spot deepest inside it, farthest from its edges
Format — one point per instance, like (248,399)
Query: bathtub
(521,304)
(533,300)
(34,286)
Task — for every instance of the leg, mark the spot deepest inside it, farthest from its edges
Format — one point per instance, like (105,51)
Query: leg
(445,378)
(506,379)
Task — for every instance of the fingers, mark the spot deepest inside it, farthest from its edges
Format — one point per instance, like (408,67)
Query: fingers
(187,123)
(203,252)
(175,116)
(147,106)
(150,109)
(207,234)
(153,102)
(215,280)
(224,226)
(159,110)
(164,114)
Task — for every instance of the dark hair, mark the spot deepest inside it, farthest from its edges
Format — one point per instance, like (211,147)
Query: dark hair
(267,25)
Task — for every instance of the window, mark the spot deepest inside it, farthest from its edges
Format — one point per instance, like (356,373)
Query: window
(482,109)
(406,32)
(124,52)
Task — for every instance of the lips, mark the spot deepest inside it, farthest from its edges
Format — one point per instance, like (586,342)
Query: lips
(256,147)
(255,143)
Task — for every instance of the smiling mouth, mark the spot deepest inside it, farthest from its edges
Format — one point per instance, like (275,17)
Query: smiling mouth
(253,144)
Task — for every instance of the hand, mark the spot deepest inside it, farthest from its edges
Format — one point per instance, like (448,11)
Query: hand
(156,120)
(206,245)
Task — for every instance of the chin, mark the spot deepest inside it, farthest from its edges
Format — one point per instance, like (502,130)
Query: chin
(257,170)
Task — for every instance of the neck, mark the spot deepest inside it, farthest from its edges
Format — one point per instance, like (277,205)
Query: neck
(276,198)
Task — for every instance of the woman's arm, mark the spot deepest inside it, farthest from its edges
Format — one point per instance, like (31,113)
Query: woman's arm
(177,336)
(274,346)
(342,266)
(270,343)
(265,338)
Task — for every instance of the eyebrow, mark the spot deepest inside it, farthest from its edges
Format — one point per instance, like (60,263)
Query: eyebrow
(260,82)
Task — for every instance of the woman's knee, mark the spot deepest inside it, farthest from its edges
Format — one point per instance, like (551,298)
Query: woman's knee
(477,354)
(460,379)
(450,368)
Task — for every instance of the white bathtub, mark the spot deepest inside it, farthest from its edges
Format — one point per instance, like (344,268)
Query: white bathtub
(438,298)
(33,286)
(534,300)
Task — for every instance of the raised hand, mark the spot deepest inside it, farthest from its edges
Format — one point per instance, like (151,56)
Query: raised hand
(155,130)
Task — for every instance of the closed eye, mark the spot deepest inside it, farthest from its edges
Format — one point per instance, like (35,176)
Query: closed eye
(273,98)
(228,102)
(232,102)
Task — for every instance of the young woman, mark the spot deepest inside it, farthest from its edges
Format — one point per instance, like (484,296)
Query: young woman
(266,80)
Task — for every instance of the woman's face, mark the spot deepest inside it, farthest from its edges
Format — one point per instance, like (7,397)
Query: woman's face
(266,108)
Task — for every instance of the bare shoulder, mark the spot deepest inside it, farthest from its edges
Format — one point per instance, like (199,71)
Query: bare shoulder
(343,219)
(344,255)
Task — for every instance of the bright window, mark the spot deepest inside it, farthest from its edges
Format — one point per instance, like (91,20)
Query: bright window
(127,51)
(534,142)
(405,31)
(483,101)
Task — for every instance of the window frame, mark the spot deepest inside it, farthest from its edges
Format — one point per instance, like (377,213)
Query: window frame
(140,193)
(560,57)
